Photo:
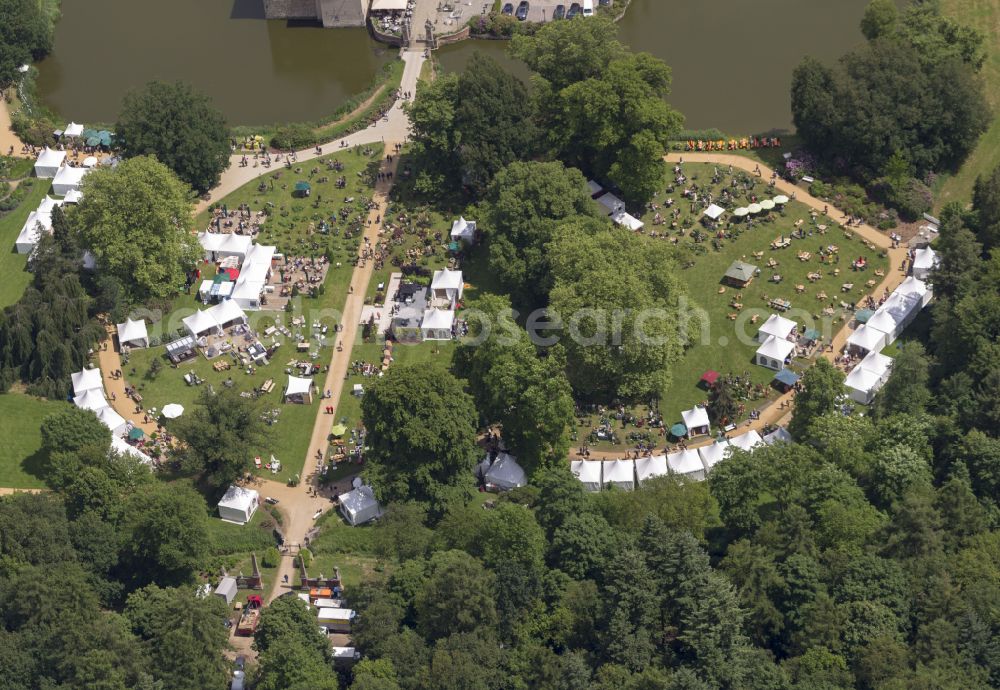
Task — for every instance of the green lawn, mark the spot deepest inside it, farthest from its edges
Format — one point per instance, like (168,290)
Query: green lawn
(12,264)
(21,459)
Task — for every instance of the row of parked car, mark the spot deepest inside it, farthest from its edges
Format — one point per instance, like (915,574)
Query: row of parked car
(576,9)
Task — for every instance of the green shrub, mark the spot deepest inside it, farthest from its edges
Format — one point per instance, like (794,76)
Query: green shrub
(270,558)
(293,136)
(306,556)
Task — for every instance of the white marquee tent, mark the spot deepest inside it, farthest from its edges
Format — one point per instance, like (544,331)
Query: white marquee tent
(73,130)
(463,230)
(437,324)
(878,364)
(915,286)
(867,339)
(778,435)
(68,179)
(359,506)
(924,261)
(299,388)
(617,212)
(747,441)
(619,473)
(199,323)
(133,333)
(589,473)
(773,352)
(776,325)
(32,230)
(713,454)
(447,285)
(91,400)
(48,163)
(239,504)
(112,420)
(651,466)
(688,463)
(122,447)
(219,245)
(86,380)
(714,211)
(505,474)
(696,421)
(863,384)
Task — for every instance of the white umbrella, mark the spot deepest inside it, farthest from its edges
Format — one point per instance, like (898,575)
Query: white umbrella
(754,208)
(767,204)
(89,162)
(741,211)
(781,199)
(172,411)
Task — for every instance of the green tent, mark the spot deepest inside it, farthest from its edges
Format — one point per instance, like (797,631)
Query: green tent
(136,434)
(302,187)
(862,315)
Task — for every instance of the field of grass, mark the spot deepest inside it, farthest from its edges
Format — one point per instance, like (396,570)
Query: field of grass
(985,16)
(21,459)
(12,264)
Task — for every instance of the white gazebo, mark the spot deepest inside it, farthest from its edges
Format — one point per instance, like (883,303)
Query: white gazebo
(867,339)
(220,245)
(299,390)
(133,333)
(199,323)
(619,473)
(863,384)
(73,130)
(687,463)
(696,421)
(238,504)
(86,380)
(747,441)
(447,285)
(91,400)
(68,179)
(714,211)
(650,467)
(227,313)
(589,473)
(776,325)
(888,322)
(48,163)
(505,474)
(359,506)
(925,260)
(112,420)
(773,352)
(437,324)
(713,454)
(463,230)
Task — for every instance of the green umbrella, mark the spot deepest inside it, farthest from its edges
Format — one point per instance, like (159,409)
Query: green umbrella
(88,133)
(93,141)
(339,430)
(136,434)
(301,186)
(105,137)
(678,430)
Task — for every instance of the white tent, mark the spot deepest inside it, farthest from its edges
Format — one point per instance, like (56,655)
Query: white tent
(254,274)
(594,187)
(505,473)
(86,380)
(336,620)
(48,163)
(864,384)
(611,202)
(219,245)
(90,162)
(122,447)
(903,308)
(32,230)
(776,325)
(650,466)
(359,505)
(714,211)
(388,5)
(68,179)
(299,388)
(878,364)
(227,589)
(924,261)
(345,655)
(915,286)
(447,285)
(437,324)
(696,421)
(73,130)
(886,321)
(620,473)
(616,209)
(133,333)
(239,504)
(687,463)
(226,313)
(867,339)
(627,220)
(773,353)
(112,420)
(463,230)
(713,454)
(74,196)
(199,323)
(589,473)
(91,400)
(778,435)
(747,441)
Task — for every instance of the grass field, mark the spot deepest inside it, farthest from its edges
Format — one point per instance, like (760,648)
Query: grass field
(12,264)
(20,455)
(985,16)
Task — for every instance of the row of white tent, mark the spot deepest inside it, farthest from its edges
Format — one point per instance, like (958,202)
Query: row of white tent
(88,394)
(691,463)
(255,264)
(51,165)
(39,222)
(214,319)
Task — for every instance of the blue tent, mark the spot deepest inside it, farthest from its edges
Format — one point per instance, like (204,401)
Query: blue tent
(862,315)
(786,377)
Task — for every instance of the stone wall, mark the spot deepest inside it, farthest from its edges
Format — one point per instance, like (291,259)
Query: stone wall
(291,9)
(341,13)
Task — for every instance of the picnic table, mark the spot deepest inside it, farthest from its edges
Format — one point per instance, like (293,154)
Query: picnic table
(805,256)
(772,262)
(781,304)
(814,276)
(800,288)
(821,296)
(847,287)
(781,242)
(221,365)
(267,386)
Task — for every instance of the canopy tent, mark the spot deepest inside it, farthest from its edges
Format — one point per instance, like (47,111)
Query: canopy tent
(747,441)
(136,434)
(741,211)
(902,308)
(133,333)
(73,130)
(122,447)
(253,276)
(86,380)
(864,384)
(812,334)
(709,377)
(104,136)
(68,179)
(611,202)
(338,430)
(714,211)
(90,162)
(767,204)
(687,463)
(463,230)
(779,435)
(359,506)
(226,313)
(773,353)
(227,589)
(589,473)
(238,504)
(740,273)
(299,389)
(627,220)
(91,400)
(388,5)
(73,196)
(787,378)
(619,473)
(447,285)
(696,421)
(48,163)
(878,364)
(886,321)
(218,245)
(199,323)
(867,339)
(112,420)
(650,467)
(678,430)
(915,286)
(776,325)
(505,474)
(781,199)
(437,324)
(862,315)
(924,261)
(713,454)
(173,410)
(31,233)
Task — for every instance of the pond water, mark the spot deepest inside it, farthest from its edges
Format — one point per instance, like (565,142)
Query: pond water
(732,59)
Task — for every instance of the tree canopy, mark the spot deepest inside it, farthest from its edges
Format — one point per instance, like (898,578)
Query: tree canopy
(25,37)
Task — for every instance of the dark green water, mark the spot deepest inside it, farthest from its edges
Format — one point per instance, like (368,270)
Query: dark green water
(257,71)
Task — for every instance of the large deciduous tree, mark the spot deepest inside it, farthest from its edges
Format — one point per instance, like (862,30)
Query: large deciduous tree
(167,534)
(135,218)
(180,127)
(821,385)
(25,36)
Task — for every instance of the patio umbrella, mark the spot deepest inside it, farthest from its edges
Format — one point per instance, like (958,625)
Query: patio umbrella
(767,204)
(754,208)
(678,430)
(741,211)
(88,133)
(338,430)
(781,199)
(136,434)
(173,411)
(105,137)
(89,162)
(93,141)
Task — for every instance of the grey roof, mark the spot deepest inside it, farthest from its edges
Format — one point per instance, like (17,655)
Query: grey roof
(739,270)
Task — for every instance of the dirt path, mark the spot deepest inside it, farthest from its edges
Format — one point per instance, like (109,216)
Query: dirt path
(110,361)
(779,411)
(7,491)
(7,137)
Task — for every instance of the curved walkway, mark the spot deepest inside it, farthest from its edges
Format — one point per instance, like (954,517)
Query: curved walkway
(8,139)
(779,411)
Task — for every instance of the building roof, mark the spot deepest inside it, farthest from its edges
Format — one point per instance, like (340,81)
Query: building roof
(746,441)
(741,271)
(778,326)
(714,211)
(867,338)
(239,498)
(687,461)
(695,417)
(92,399)
(446,280)
(298,386)
(87,379)
(651,466)
(621,473)
(132,330)
(438,319)
(713,453)
(776,348)
(505,472)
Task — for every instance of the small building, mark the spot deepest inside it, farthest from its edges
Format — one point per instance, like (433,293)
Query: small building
(687,463)
(619,473)
(336,620)
(437,324)
(359,506)
(48,163)
(463,230)
(740,274)
(87,379)
(227,589)
(504,474)
(589,473)
(774,352)
(447,285)
(68,179)
(776,325)
(747,441)
(133,333)
(925,260)
(238,504)
(650,467)
(696,421)
(299,390)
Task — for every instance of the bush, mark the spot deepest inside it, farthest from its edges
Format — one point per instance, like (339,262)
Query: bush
(293,136)
(270,558)
(913,199)
(306,556)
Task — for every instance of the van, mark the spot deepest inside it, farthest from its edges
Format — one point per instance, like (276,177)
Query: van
(588,8)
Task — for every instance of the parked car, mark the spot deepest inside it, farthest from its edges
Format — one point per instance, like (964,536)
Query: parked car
(241,662)
(508,9)
(559,12)
(271,501)
(574,11)
(522,10)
